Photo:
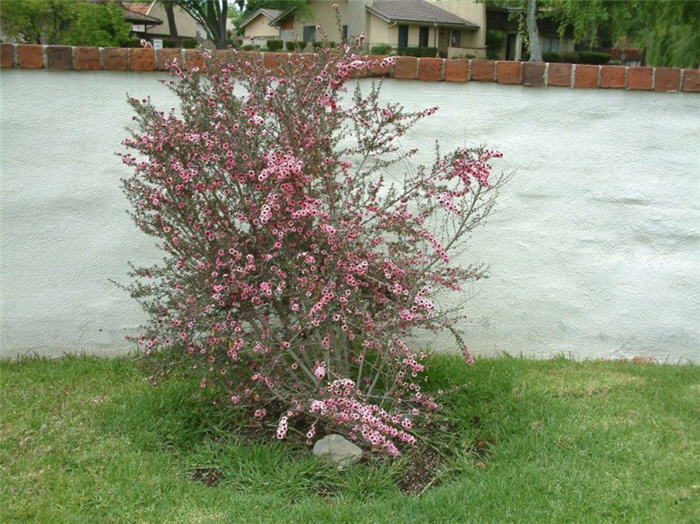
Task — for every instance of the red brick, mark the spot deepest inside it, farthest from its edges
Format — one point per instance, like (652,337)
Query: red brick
(667,79)
(612,77)
(375,69)
(508,72)
(223,55)
(640,78)
(483,70)
(142,59)
(456,70)
(533,73)
(559,75)
(254,59)
(59,57)
(30,56)
(273,60)
(194,58)
(87,58)
(166,56)
(406,68)
(114,58)
(586,76)
(691,80)
(430,69)
(7,55)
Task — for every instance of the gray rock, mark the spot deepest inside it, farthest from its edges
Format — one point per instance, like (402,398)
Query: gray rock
(337,449)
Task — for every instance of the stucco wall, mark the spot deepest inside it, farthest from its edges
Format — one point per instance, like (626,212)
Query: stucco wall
(594,248)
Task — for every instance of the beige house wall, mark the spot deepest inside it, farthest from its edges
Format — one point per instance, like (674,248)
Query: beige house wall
(323,15)
(260,28)
(379,32)
(414,36)
(473,12)
(186,25)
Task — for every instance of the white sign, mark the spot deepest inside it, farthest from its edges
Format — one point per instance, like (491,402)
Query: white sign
(157,43)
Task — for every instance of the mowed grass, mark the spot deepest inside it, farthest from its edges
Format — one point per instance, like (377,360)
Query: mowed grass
(88,440)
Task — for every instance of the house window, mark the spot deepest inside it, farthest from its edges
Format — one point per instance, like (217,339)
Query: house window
(309,33)
(403,36)
(550,44)
(423,37)
(455,38)
(345,33)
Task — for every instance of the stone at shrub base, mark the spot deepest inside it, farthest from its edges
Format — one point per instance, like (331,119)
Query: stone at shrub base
(337,449)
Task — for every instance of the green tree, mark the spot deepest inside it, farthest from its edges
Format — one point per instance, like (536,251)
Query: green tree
(99,24)
(72,22)
(210,14)
(37,21)
(667,30)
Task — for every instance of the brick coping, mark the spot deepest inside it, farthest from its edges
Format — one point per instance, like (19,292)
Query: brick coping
(531,74)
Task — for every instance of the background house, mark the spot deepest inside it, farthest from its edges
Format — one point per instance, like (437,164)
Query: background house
(419,23)
(454,27)
(259,26)
(158,27)
(139,20)
(296,25)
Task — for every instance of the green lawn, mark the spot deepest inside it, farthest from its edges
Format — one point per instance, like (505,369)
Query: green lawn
(87,440)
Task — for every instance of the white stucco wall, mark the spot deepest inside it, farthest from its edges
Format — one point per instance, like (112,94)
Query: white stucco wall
(594,249)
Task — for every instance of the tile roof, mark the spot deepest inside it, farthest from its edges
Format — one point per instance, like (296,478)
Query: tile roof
(138,7)
(415,11)
(136,13)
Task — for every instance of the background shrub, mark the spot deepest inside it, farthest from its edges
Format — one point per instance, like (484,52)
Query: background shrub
(380,49)
(132,42)
(291,45)
(550,56)
(274,45)
(495,40)
(593,57)
(417,51)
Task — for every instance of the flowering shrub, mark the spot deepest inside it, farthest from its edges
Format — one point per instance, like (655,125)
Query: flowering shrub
(294,270)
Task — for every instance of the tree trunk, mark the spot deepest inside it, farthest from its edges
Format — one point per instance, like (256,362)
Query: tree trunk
(533,33)
(172,26)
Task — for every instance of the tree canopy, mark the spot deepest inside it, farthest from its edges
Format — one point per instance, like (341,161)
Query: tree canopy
(65,22)
(667,30)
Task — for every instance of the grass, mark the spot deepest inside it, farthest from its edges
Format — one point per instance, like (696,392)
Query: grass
(87,440)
